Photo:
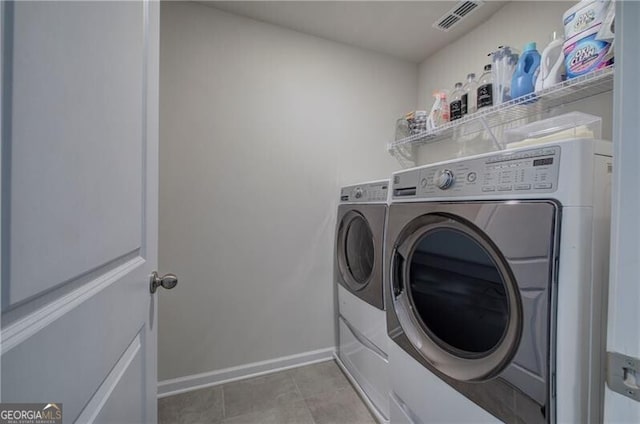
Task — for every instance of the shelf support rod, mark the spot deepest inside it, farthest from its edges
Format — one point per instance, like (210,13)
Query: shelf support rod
(491,134)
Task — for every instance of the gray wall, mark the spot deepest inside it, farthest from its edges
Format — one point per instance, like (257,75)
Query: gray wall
(515,24)
(259,128)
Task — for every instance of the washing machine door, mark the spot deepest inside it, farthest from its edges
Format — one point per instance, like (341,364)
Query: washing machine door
(455,296)
(355,250)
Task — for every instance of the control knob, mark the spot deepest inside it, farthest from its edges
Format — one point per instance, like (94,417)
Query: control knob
(445,179)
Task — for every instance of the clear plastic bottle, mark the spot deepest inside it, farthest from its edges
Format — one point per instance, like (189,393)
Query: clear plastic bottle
(455,103)
(485,88)
(470,96)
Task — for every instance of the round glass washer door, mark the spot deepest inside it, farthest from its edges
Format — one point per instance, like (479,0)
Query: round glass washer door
(356,250)
(456,298)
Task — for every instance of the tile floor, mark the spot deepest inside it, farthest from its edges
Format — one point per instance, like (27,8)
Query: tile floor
(313,394)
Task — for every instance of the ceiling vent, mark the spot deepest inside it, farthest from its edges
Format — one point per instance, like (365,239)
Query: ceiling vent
(456,14)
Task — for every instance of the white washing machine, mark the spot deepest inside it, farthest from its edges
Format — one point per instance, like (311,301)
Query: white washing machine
(361,320)
(496,271)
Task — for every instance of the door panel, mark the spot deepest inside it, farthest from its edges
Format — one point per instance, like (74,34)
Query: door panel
(624,290)
(119,400)
(76,351)
(77,85)
(79,207)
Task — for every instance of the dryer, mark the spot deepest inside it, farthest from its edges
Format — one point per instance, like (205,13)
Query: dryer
(496,284)
(361,320)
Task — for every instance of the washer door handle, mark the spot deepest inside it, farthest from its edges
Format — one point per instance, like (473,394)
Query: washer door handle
(397,265)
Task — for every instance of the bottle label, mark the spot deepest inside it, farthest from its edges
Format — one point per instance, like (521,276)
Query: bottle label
(465,104)
(586,55)
(456,109)
(485,95)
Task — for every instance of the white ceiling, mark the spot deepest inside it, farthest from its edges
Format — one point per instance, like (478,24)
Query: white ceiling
(399,28)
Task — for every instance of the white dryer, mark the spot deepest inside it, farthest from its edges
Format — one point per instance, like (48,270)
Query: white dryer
(496,284)
(361,320)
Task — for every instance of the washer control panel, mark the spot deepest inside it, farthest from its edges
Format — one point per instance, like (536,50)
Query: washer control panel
(532,170)
(368,192)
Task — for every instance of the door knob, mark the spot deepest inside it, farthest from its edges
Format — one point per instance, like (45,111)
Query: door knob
(168,281)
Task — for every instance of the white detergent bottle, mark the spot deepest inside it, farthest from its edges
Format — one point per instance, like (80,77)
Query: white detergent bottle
(551,63)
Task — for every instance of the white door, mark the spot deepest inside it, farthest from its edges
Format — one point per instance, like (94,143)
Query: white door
(79,207)
(623,336)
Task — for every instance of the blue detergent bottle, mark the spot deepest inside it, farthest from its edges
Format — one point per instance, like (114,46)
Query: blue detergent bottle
(524,78)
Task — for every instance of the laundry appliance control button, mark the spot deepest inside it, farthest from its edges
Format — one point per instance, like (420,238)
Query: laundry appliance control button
(445,179)
(543,186)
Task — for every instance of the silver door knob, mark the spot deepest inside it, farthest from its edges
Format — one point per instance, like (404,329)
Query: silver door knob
(168,281)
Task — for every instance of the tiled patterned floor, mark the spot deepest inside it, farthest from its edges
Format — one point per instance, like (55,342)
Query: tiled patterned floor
(313,394)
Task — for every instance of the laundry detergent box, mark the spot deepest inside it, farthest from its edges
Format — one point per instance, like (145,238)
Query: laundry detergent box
(583,16)
(584,51)
(585,54)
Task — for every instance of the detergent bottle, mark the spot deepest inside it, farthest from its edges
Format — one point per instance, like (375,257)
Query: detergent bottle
(523,80)
(551,63)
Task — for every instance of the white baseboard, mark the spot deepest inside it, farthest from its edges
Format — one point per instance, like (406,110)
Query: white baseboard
(188,383)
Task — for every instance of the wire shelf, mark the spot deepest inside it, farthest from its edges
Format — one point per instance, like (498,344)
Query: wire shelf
(591,84)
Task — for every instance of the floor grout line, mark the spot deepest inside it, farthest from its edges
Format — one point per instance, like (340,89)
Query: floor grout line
(296,384)
(306,405)
(224,412)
